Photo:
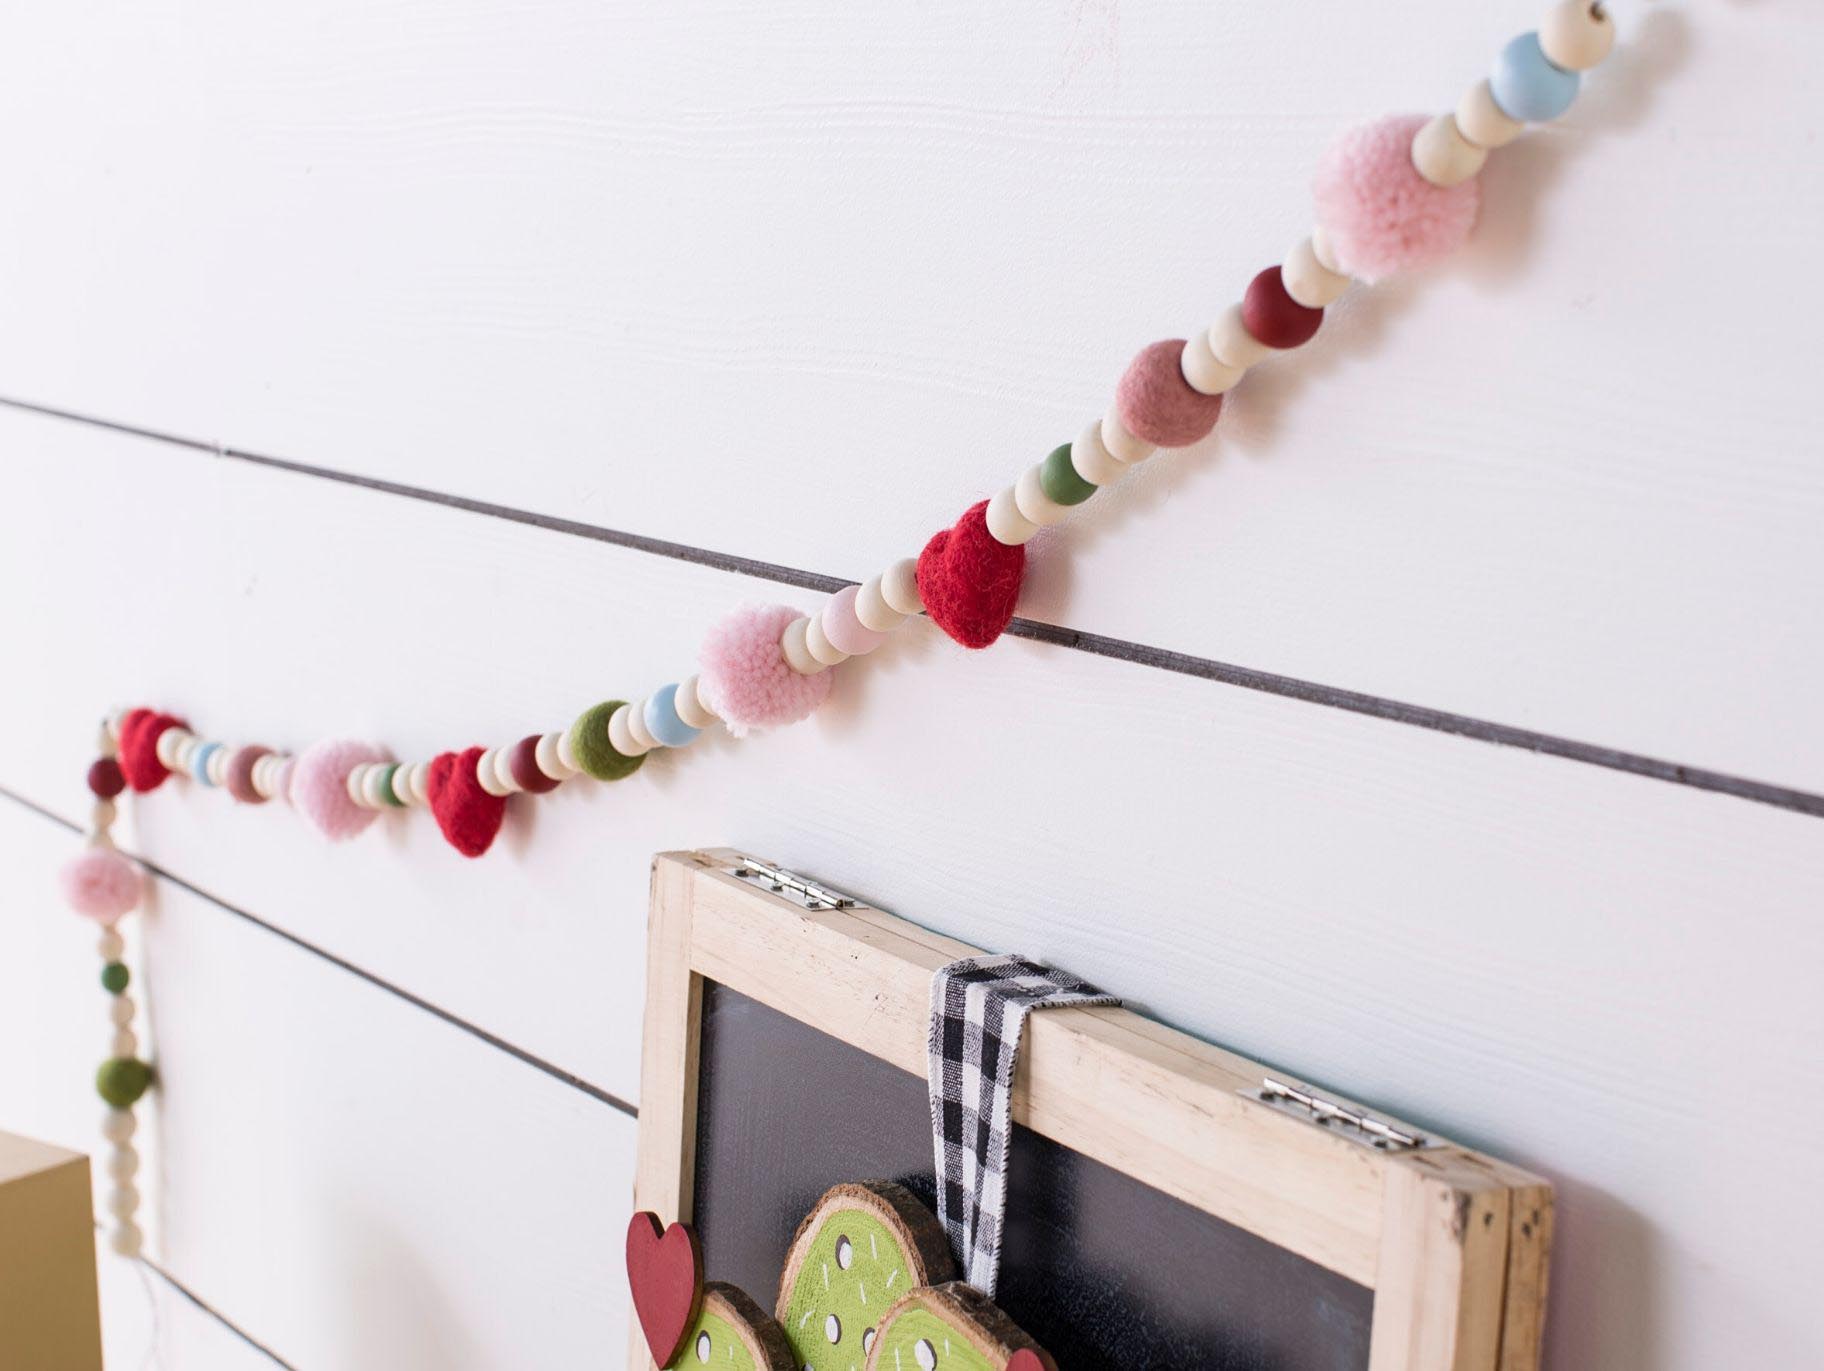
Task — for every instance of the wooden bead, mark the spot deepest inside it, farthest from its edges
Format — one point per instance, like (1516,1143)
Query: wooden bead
(548,759)
(487,774)
(216,767)
(1005,522)
(1112,440)
(118,1126)
(1443,156)
(123,1201)
(620,733)
(169,747)
(1322,250)
(690,706)
(636,726)
(899,587)
(125,1043)
(101,816)
(1483,122)
(795,650)
(421,783)
(1204,372)
(111,945)
(120,1010)
(821,647)
(1232,343)
(1308,280)
(1577,34)
(123,1161)
(566,754)
(352,783)
(377,786)
(401,783)
(503,770)
(1095,463)
(125,1239)
(1038,507)
(872,609)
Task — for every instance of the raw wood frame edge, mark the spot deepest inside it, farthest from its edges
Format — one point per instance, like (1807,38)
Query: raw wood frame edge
(1454,1244)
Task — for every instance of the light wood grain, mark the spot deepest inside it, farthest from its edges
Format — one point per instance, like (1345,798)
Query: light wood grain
(804,284)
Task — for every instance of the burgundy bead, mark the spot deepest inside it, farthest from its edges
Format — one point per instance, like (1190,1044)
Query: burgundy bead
(106,779)
(1274,317)
(523,762)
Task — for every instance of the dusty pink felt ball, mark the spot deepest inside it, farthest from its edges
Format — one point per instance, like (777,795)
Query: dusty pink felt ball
(1158,405)
(100,884)
(745,678)
(319,786)
(1381,216)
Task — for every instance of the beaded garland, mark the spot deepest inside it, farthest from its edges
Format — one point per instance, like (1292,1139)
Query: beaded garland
(1390,196)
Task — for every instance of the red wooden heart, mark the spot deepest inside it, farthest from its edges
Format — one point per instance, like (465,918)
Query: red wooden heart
(665,1271)
(467,814)
(969,580)
(1028,1360)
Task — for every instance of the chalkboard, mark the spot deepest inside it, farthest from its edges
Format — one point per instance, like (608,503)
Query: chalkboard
(1103,1269)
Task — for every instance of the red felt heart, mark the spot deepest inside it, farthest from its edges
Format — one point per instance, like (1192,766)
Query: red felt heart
(140,731)
(969,580)
(665,1272)
(1028,1360)
(467,814)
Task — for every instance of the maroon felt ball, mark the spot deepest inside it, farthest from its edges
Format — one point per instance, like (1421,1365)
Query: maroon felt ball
(1157,405)
(105,778)
(523,761)
(1273,317)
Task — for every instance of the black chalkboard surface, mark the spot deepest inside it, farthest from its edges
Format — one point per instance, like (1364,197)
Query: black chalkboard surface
(1104,1270)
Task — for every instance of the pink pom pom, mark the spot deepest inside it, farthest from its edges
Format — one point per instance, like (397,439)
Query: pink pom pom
(319,786)
(100,884)
(845,629)
(1381,216)
(745,678)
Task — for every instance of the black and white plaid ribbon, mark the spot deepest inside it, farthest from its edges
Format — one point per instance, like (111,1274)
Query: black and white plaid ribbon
(978,1010)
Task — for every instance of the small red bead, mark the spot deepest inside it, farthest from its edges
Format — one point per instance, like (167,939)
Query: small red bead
(105,778)
(523,761)
(1274,317)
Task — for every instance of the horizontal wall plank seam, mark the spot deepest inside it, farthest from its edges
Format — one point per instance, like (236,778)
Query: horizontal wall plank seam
(1096,644)
(500,1044)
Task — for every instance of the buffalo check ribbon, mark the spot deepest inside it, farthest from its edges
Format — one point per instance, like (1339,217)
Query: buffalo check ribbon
(978,1012)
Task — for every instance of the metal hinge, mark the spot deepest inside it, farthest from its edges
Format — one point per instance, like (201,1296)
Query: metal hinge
(789,884)
(1345,1122)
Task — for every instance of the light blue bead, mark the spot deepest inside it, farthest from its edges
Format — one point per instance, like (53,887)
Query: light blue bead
(199,765)
(662,719)
(1527,86)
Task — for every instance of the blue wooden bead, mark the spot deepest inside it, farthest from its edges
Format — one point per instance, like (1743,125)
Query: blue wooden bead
(662,719)
(1527,86)
(199,765)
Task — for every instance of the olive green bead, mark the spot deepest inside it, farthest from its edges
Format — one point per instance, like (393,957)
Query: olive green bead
(386,785)
(122,1080)
(1062,483)
(594,753)
(114,977)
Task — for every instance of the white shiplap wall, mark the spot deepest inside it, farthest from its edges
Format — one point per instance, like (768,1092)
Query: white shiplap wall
(796,284)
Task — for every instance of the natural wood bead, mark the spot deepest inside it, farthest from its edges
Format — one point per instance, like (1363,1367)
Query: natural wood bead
(1005,522)
(792,643)
(217,766)
(125,1239)
(1483,122)
(123,1201)
(1443,156)
(620,733)
(1325,254)
(872,609)
(1095,464)
(125,1043)
(487,776)
(566,754)
(123,1161)
(899,587)
(402,785)
(101,816)
(111,945)
(107,739)
(1232,343)
(690,706)
(352,783)
(376,789)
(1112,440)
(1204,372)
(118,1126)
(421,783)
(1576,35)
(548,761)
(636,725)
(503,769)
(821,647)
(169,748)
(1038,507)
(110,728)
(120,1010)
(1309,281)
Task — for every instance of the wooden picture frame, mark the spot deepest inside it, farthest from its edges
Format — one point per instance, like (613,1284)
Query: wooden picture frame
(1453,1243)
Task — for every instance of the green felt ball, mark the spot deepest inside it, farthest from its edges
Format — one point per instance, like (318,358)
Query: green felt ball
(122,1080)
(114,977)
(594,753)
(386,785)
(1060,480)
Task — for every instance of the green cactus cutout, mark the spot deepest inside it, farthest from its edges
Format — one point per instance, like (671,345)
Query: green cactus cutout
(858,1251)
(953,1327)
(732,1333)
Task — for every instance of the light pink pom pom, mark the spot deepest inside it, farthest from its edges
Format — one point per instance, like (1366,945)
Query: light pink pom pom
(745,678)
(1381,216)
(100,884)
(319,786)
